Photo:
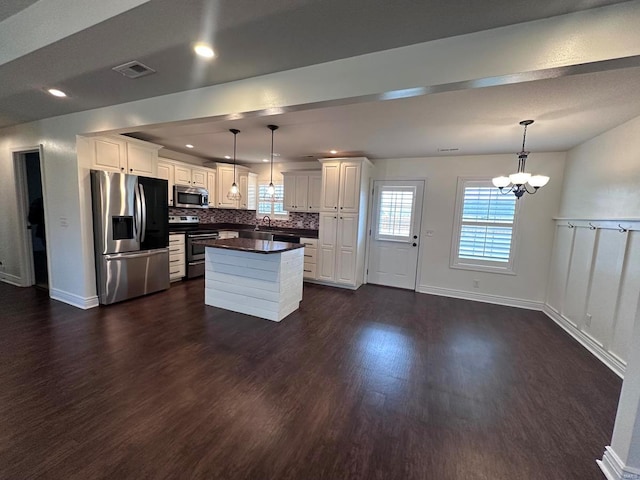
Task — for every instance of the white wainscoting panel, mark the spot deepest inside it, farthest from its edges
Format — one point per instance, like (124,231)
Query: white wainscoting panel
(628,301)
(605,285)
(575,301)
(559,269)
(594,284)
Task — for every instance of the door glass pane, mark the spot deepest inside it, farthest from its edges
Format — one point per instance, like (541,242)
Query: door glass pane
(395,211)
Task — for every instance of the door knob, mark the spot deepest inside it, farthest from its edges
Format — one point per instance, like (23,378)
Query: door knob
(415,244)
(415,236)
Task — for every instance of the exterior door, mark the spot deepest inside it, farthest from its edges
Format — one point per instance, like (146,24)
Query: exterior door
(395,233)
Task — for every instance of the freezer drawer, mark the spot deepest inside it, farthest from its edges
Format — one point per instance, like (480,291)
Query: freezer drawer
(128,275)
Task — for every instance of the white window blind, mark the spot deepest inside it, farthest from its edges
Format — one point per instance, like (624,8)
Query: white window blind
(486,227)
(266,206)
(395,210)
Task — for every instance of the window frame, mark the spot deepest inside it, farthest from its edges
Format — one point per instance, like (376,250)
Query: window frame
(505,268)
(273,216)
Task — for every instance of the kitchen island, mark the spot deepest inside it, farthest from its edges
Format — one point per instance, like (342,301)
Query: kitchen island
(256,277)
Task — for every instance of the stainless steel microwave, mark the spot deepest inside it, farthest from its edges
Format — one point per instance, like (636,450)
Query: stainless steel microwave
(190,197)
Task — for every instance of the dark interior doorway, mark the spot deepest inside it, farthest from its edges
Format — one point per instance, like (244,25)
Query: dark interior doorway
(36,219)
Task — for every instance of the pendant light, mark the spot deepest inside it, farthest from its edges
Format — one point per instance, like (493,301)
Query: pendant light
(234,191)
(517,182)
(271,189)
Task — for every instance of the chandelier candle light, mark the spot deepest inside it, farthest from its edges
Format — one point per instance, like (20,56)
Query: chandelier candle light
(271,189)
(517,182)
(234,191)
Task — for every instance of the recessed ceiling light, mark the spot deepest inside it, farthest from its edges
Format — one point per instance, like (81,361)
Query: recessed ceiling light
(204,50)
(56,93)
(227,157)
(265,159)
(188,145)
(333,152)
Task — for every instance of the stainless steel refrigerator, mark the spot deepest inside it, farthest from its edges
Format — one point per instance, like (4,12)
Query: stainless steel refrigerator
(131,235)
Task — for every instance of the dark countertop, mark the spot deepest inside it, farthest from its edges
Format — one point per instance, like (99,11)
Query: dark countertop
(298,232)
(250,245)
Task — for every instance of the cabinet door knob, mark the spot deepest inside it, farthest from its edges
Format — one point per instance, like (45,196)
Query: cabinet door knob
(340,208)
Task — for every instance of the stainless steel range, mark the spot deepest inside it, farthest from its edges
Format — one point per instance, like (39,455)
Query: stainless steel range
(190,225)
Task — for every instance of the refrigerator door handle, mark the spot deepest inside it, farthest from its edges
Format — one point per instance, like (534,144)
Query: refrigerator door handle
(143,203)
(137,213)
(144,253)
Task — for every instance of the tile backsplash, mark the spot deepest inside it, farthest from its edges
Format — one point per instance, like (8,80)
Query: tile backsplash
(248,217)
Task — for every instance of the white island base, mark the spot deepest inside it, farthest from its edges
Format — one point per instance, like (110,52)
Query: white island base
(263,285)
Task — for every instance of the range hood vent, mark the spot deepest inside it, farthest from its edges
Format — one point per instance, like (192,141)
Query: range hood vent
(134,69)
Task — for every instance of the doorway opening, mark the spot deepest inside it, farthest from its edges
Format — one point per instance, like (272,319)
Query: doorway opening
(31,199)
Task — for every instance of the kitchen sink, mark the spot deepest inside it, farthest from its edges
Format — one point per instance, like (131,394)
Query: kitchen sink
(256,235)
(271,235)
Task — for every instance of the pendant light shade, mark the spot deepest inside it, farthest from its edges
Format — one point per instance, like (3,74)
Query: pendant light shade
(517,182)
(271,189)
(234,191)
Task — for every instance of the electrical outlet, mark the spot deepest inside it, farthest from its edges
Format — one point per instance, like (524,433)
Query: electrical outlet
(587,320)
(476,283)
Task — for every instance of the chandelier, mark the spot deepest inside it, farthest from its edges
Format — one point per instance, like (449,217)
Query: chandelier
(518,182)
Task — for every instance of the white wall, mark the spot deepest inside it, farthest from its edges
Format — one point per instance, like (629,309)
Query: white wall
(534,235)
(594,281)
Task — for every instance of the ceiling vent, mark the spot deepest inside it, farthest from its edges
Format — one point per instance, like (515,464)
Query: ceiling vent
(134,69)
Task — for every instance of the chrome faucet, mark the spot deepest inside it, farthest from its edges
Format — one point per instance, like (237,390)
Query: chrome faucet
(268,218)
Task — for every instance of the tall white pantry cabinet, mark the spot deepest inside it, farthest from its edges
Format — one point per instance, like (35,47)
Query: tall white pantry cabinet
(343,221)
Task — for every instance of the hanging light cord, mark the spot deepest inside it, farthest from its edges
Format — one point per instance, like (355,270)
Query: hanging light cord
(272,130)
(235,138)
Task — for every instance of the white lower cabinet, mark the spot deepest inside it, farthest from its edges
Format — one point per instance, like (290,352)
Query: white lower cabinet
(338,249)
(176,256)
(309,271)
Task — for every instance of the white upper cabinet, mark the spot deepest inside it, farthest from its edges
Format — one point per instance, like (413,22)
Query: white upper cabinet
(349,195)
(330,186)
(167,172)
(142,160)
(212,187)
(199,177)
(123,154)
(243,183)
(341,185)
(109,154)
(224,180)
(298,195)
(183,175)
(315,192)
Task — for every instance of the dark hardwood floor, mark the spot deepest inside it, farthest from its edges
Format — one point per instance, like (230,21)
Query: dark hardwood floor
(374,384)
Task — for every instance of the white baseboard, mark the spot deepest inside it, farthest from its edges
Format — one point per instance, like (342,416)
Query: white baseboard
(73,299)
(614,469)
(595,347)
(11,279)
(482,297)
(330,284)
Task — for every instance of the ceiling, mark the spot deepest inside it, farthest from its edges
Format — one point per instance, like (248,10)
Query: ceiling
(250,37)
(253,38)
(567,111)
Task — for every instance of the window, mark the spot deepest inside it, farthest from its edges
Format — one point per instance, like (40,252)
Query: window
(485,227)
(395,213)
(267,207)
